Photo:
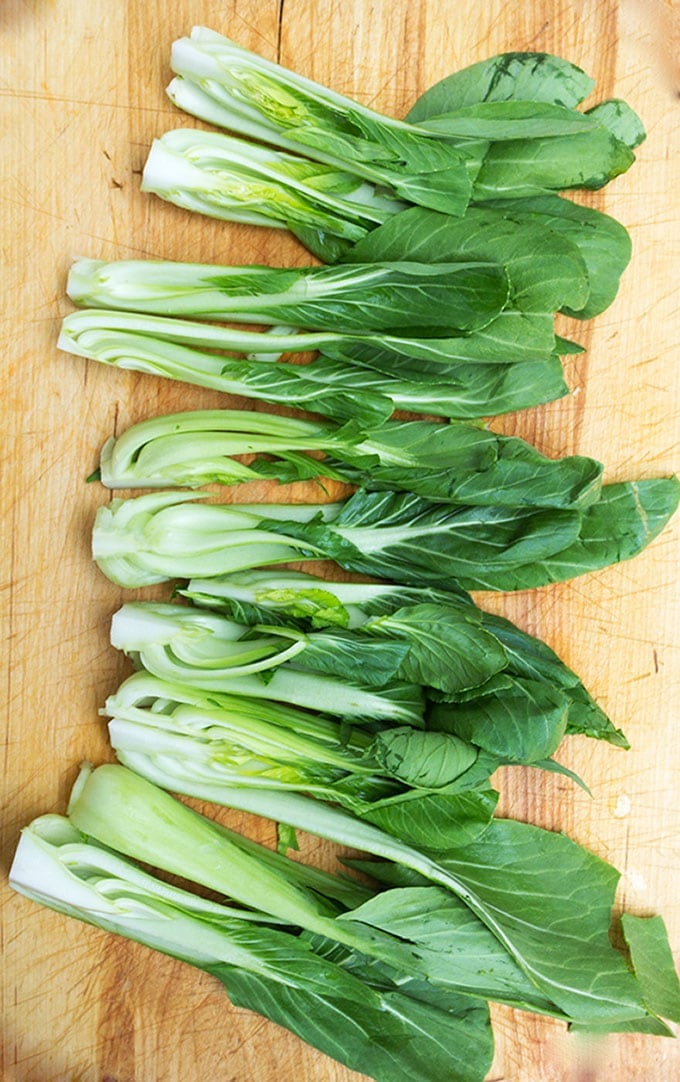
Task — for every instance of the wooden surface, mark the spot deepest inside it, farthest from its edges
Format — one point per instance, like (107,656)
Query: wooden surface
(82,96)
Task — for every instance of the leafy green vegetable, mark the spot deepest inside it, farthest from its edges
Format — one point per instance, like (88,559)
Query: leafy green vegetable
(206,651)
(455,462)
(340,389)
(444,647)
(603,242)
(257,597)
(203,744)
(501,121)
(546,271)
(326,207)
(237,89)
(588,159)
(97,335)
(399,297)
(507,77)
(394,1035)
(554,927)
(400,536)
(522,723)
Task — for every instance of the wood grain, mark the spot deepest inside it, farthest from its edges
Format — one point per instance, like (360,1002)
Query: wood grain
(82,97)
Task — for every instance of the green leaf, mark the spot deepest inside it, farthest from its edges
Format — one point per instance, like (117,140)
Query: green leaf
(549,901)
(403,537)
(522,724)
(500,121)
(449,649)
(602,241)
(465,464)
(458,951)
(460,390)
(628,516)
(652,959)
(426,760)
(533,659)
(621,120)
(353,655)
(441,820)
(546,271)
(507,77)
(538,166)
(403,1040)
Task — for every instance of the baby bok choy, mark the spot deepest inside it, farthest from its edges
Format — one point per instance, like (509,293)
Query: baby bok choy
(441,646)
(457,463)
(344,389)
(523,145)
(397,536)
(207,651)
(292,597)
(434,300)
(204,743)
(327,208)
(495,918)
(237,89)
(378,1026)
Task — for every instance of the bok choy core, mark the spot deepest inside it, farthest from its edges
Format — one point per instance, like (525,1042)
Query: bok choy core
(400,536)
(457,463)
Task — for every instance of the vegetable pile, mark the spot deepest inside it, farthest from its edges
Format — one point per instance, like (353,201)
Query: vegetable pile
(372,714)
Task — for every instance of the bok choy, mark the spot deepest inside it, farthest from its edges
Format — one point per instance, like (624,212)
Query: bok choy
(398,536)
(344,389)
(401,297)
(209,652)
(251,95)
(382,1026)
(499,895)
(204,743)
(292,597)
(456,463)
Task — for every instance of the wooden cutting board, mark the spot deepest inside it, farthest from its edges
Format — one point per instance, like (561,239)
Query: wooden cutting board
(82,97)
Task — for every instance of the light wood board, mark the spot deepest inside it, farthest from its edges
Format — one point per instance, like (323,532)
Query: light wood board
(81,84)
